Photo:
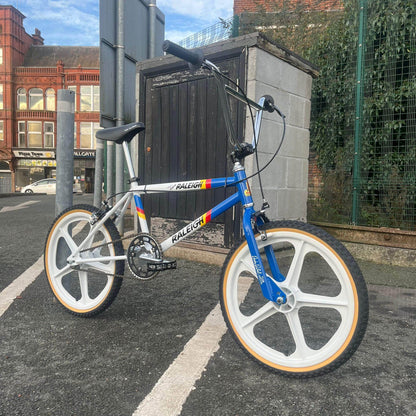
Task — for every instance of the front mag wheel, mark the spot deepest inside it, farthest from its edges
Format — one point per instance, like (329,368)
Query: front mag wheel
(89,288)
(325,316)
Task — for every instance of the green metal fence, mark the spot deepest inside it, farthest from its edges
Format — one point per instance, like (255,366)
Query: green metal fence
(364,124)
(363,121)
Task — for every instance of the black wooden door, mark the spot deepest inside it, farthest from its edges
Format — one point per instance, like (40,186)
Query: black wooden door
(186,139)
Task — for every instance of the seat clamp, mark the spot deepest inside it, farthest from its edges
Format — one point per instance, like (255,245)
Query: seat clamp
(135,179)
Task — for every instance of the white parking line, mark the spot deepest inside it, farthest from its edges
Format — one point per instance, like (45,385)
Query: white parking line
(9,294)
(173,388)
(23,205)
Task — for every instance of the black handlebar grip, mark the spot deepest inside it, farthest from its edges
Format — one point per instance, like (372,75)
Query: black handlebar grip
(269,103)
(193,57)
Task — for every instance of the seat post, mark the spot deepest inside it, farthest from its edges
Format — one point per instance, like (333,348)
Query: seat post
(128,160)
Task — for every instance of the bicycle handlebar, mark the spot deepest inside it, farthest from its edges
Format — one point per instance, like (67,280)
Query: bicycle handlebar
(193,57)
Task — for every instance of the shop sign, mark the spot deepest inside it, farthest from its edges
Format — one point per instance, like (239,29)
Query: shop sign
(84,153)
(34,154)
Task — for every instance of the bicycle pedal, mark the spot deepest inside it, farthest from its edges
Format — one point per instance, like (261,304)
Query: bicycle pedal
(161,266)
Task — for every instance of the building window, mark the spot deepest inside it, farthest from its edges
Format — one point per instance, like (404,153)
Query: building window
(35,99)
(48,134)
(50,99)
(34,133)
(90,98)
(1,96)
(1,130)
(21,129)
(73,88)
(75,135)
(87,135)
(21,99)
(1,56)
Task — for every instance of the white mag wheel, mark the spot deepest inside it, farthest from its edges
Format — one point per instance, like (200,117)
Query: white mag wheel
(89,288)
(325,316)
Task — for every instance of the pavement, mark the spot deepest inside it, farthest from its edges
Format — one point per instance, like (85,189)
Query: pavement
(52,363)
(11,194)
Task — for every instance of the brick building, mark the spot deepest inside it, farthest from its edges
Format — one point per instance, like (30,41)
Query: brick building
(251,6)
(30,76)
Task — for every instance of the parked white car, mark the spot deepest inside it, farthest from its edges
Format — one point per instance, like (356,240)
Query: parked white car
(44,186)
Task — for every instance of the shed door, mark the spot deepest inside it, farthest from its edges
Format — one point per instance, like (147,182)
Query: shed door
(186,138)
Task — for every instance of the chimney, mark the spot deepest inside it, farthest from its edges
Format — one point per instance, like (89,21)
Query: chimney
(60,67)
(37,38)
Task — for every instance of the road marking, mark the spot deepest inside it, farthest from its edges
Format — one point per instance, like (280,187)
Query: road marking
(173,388)
(17,207)
(9,294)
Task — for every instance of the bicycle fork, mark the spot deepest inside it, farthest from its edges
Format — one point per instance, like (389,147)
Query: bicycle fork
(269,287)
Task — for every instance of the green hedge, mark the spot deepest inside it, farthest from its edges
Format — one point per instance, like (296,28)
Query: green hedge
(388,140)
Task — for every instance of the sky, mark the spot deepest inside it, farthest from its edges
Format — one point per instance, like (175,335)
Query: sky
(75,22)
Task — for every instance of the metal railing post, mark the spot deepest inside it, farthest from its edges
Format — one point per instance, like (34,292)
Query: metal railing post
(152,28)
(356,179)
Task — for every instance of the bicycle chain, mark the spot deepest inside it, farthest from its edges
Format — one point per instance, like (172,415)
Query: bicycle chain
(110,242)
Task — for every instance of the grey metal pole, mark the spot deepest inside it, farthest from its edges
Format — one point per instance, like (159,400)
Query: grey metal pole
(152,28)
(98,175)
(64,150)
(120,99)
(110,168)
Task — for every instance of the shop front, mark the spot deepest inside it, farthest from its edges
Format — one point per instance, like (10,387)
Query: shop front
(33,165)
(84,169)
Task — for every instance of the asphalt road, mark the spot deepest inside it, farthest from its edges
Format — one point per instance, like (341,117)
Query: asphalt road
(52,363)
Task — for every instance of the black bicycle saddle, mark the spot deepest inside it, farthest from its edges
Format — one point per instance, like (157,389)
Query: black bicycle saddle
(120,134)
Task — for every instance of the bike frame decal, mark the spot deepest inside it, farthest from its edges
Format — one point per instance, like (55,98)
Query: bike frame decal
(259,270)
(206,184)
(193,226)
(195,185)
(201,221)
(139,207)
(207,217)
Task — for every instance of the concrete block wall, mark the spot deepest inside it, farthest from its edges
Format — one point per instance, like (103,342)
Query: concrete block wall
(285,181)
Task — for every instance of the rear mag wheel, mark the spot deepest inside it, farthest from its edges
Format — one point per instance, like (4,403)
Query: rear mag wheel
(91,288)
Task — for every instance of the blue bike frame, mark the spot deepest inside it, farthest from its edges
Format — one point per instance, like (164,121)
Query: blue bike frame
(269,286)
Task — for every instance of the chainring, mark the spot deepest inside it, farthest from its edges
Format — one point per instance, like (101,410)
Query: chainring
(142,250)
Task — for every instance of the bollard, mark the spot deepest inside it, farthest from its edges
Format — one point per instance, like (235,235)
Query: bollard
(64,150)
